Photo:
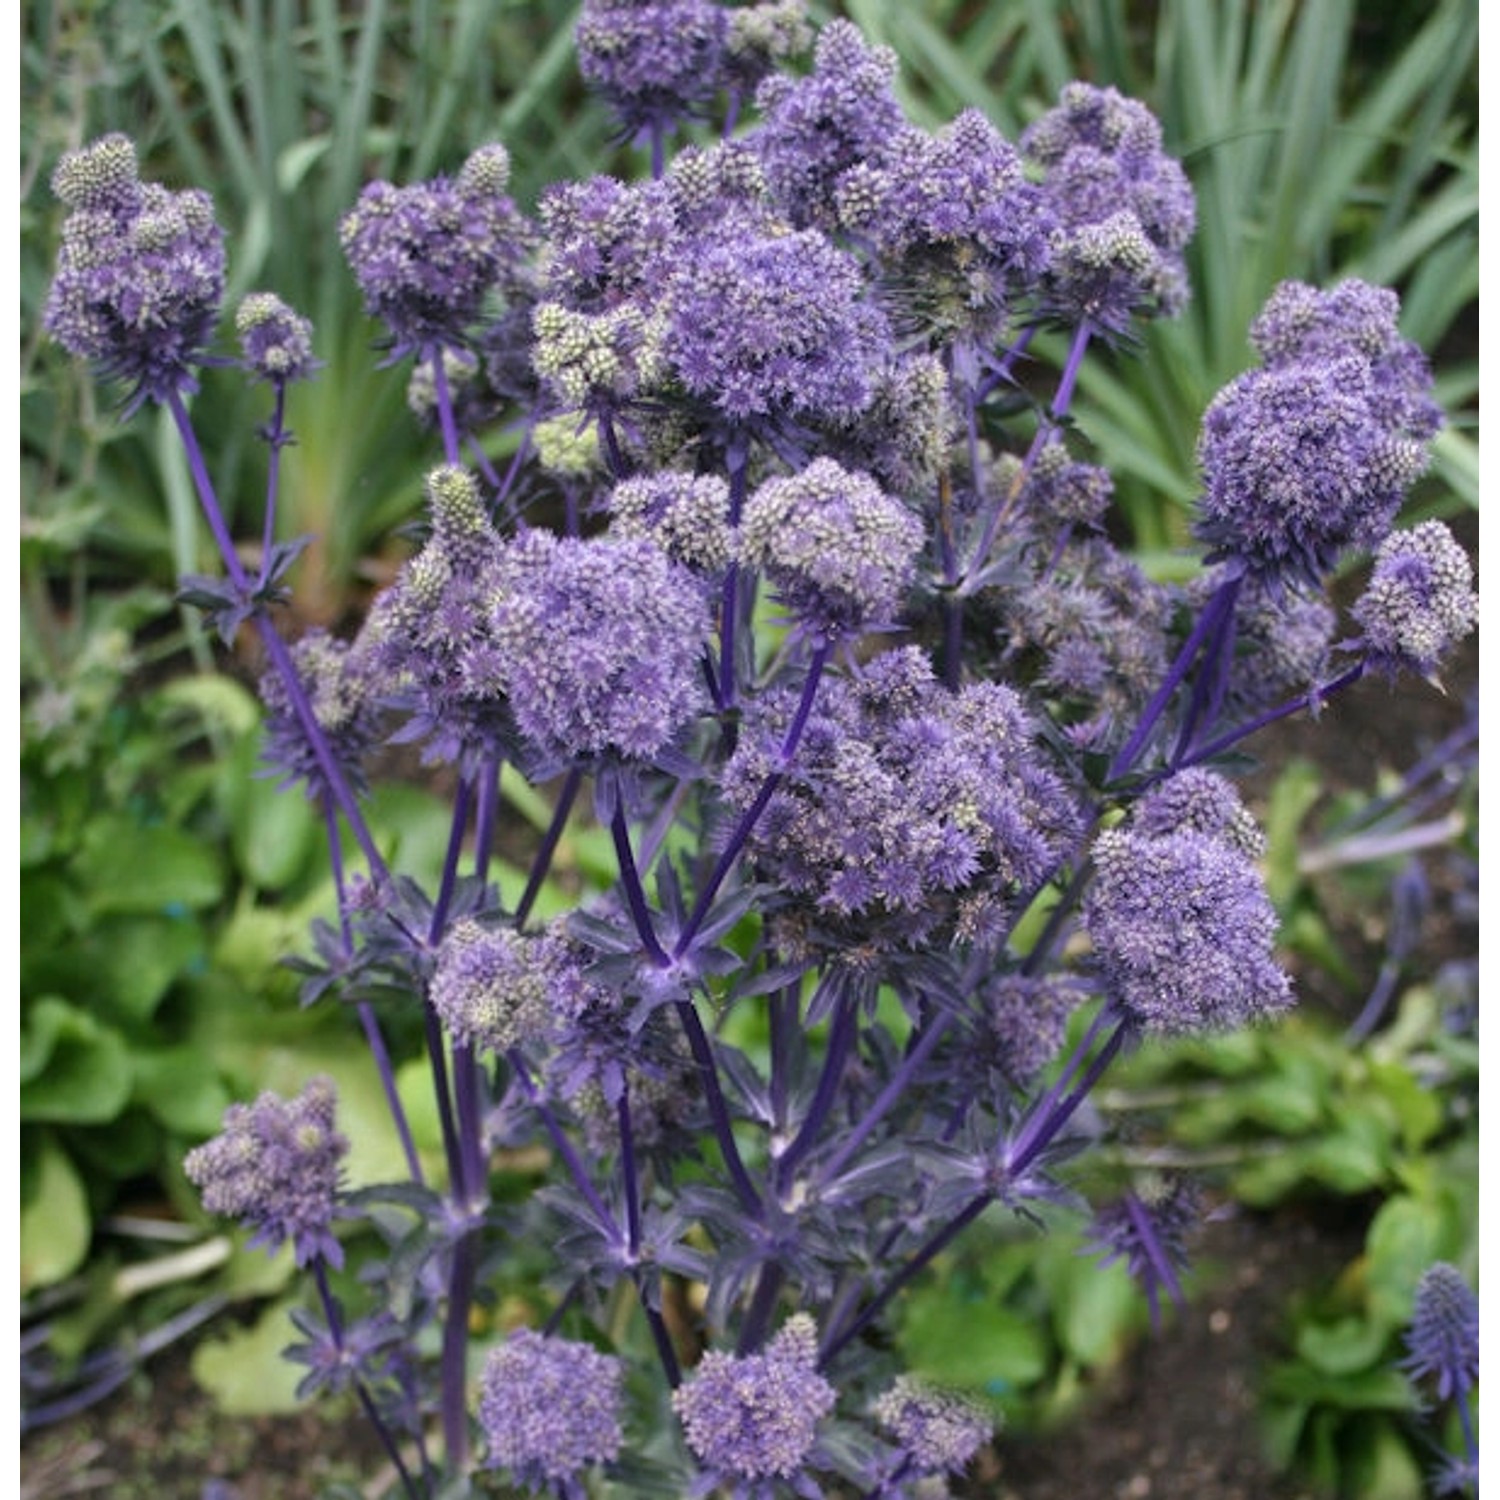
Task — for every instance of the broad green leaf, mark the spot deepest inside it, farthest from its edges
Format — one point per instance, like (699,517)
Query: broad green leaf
(174,1086)
(1353,1343)
(977,1344)
(55,1226)
(77,1071)
(147,870)
(245,1372)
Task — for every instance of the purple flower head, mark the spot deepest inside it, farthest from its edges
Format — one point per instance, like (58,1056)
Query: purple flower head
(606,242)
(429,637)
(771,330)
(1419,603)
(140,272)
(549,1408)
(960,232)
(816,128)
(426,256)
(597,361)
(1022,1025)
(1301,325)
(839,551)
(1203,802)
(759,38)
(495,988)
(275,341)
(720,192)
(276,1167)
(1297,468)
(1183,931)
(755,1416)
(345,702)
(1443,1341)
(903,437)
(602,643)
(941,1431)
(686,515)
(909,812)
(655,61)
(1148,1232)
(1125,209)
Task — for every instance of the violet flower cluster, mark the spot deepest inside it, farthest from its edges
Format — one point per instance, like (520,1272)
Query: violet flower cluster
(917,789)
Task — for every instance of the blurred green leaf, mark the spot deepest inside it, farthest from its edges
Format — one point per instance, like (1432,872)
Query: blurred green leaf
(73,1069)
(134,869)
(244,1371)
(55,1224)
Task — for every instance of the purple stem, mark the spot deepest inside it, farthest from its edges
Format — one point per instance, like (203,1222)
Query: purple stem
(627,1169)
(762,1305)
(635,896)
(276,439)
(452,446)
(737,460)
(372,1412)
(896,1086)
(543,859)
(718,1108)
(276,648)
(453,1363)
(1205,628)
(564,1146)
(1045,429)
(367,1017)
(1001,373)
(751,815)
(1308,700)
(1055,1109)
(840,1038)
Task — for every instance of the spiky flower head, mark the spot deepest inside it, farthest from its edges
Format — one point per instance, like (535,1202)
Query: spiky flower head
(839,551)
(426,256)
(598,360)
(140,272)
(759,38)
(495,988)
(1205,802)
(1182,928)
(1301,324)
(755,1416)
(275,340)
(428,638)
(961,233)
(686,515)
(1443,1341)
(1419,603)
(656,62)
(606,242)
(1125,209)
(549,1408)
(276,1168)
(909,811)
(941,1431)
(816,128)
(774,329)
(601,642)
(1298,468)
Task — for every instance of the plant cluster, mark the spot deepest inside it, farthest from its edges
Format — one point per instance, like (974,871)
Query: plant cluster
(904,764)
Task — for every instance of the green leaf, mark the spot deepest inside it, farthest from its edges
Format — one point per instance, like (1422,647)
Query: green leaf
(1094,1307)
(75,1070)
(55,1226)
(139,957)
(1406,1236)
(1341,1348)
(274,828)
(245,1371)
(175,1087)
(976,1344)
(129,868)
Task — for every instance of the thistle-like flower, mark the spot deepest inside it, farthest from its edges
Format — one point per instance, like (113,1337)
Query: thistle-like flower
(1443,1342)
(426,256)
(549,1408)
(1419,603)
(940,1431)
(275,341)
(276,1168)
(754,1417)
(140,272)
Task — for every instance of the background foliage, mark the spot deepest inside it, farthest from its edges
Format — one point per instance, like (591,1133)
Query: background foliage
(161,883)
